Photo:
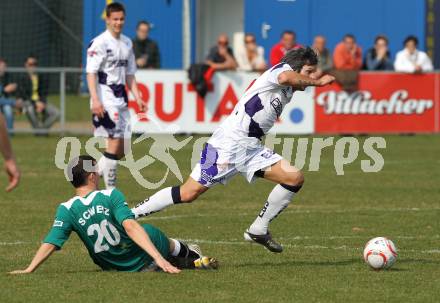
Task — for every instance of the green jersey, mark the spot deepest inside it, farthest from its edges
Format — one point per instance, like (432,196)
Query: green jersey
(97,219)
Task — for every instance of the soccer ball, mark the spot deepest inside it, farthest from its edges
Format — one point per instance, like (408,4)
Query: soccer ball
(380,253)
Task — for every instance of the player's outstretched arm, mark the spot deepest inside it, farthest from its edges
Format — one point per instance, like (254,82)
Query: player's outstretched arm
(291,78)
(6,150)
(135,231)
(42,255)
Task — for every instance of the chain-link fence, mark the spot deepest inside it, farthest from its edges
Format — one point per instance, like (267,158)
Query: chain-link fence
(50,30)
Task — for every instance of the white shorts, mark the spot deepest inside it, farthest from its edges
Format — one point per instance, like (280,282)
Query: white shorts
(219,163)
(114,124)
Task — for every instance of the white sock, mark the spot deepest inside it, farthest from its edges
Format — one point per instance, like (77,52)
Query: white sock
(163,198)
(176,250)
(277,201)
(107,169)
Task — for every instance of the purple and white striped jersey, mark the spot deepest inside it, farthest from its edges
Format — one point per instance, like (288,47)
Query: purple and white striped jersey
(258,109)
(112,59)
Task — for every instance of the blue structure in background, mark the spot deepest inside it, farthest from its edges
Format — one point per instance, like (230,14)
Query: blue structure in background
(364,19)
(165,15)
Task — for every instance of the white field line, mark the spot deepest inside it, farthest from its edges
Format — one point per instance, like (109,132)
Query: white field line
(294,211)
(235,241)
(14,243)
(287,245)
(312,247)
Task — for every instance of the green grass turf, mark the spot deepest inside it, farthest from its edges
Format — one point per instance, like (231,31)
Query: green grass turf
(323,230)
(77,108)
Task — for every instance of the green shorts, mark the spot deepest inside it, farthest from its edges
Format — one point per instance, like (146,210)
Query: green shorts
(159,239)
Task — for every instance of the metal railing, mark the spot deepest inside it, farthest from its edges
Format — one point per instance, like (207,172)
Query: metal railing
(62,71)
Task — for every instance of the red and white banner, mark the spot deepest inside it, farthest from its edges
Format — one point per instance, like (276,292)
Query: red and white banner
(174,106)
(385,103)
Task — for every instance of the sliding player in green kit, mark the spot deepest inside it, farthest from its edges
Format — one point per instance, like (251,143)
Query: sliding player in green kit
(106,226)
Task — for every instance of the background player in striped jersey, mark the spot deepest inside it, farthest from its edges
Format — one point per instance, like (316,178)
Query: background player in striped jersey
(106,226)
(236,146)
(110,66)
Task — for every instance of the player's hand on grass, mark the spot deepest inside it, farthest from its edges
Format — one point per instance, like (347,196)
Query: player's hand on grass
(166,266)
(325,80)
(13,174)
(98,109)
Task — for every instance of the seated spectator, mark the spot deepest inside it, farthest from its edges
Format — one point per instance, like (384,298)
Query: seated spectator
(347,55)
(287,43)
(251,58)
(412,60)
(33,89)
(146,50)
(7,99)
(347,61)
(324,57)
(221,57)
(378,57)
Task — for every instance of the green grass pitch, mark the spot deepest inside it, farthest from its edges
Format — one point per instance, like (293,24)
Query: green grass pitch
(323,231)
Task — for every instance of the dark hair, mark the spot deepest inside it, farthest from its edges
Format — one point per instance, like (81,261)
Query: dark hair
(411,38)
(351,36)
(143,22)
(380,37)
(288,32)
(297,58)
(79,169)
(114,7)
(31,56)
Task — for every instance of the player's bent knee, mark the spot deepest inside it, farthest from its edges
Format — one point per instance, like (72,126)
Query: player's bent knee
(188,196)
(294,180)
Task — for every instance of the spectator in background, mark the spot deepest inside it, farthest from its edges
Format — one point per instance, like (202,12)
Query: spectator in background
(347,55)
(379,57)
(324,57)
(7,90)
(5,149)
(220,56)
(146,50)
(251,58)
(287,43)
(33,89)
(347,61)
(412,60)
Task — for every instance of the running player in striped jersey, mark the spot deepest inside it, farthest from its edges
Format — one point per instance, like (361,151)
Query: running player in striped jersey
(236,146)
(110,67)
(106,226)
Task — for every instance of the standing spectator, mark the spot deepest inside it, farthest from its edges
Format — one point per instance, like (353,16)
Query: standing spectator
(324,56)
(33,89)
(412,60)
(146,50)
(347,55)
(379,57)
(5,149)
(251,58)
(287,43)
(7,89)
(220,56)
